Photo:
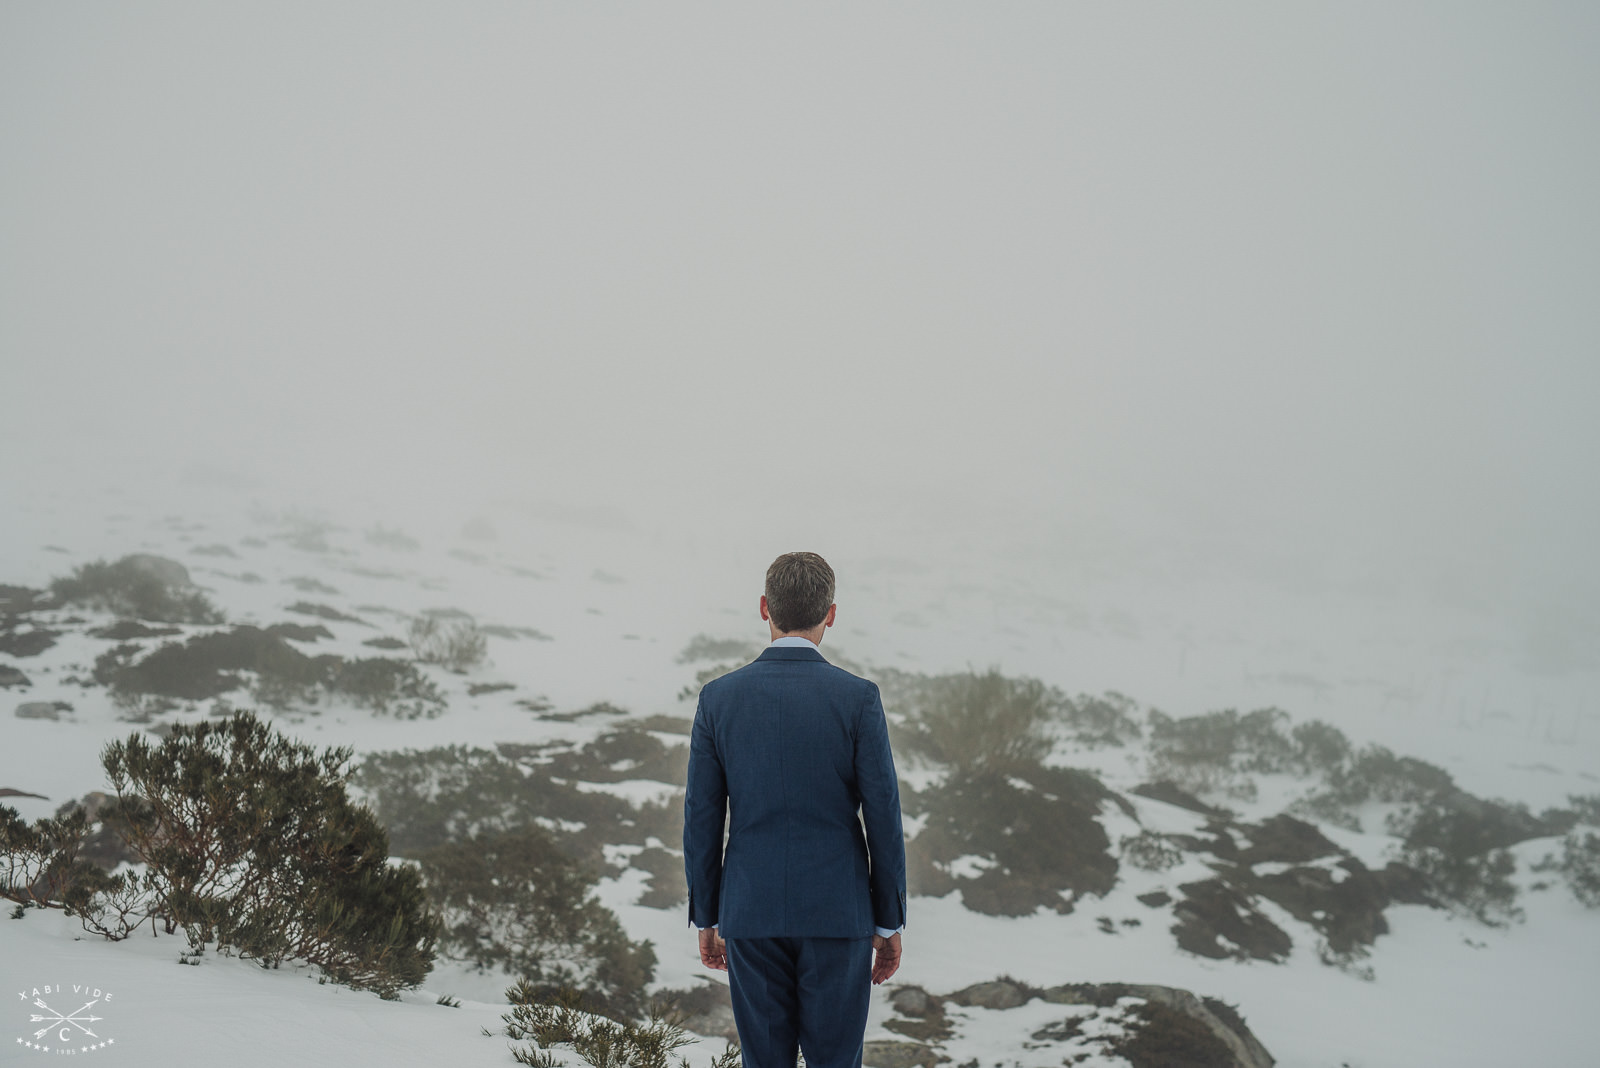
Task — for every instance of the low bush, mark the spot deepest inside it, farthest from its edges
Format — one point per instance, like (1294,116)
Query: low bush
(513,901)
(549,1020)
(249,840)
(977,723)
(139,586)
(455,644)
(1150,851)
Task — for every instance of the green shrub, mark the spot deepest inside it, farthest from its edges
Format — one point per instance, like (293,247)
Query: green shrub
(977,723)
(548,1020)
(1216,752)
(139,586)
(1104,720)
(456,644)
(250,840)
(1580,863)
(1150,851)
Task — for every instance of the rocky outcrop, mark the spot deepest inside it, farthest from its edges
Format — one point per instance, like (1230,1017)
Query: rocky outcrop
(1147,1025)
(42,709)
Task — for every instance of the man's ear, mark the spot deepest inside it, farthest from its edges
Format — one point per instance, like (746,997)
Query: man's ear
(765,615)
(827,620)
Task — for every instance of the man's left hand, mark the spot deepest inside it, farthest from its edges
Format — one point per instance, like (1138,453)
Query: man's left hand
(885,956)
(713,951)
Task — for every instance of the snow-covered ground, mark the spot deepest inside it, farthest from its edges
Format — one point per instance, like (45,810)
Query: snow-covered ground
(615,598)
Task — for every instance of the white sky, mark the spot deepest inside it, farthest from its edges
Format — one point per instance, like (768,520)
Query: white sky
(1308,289)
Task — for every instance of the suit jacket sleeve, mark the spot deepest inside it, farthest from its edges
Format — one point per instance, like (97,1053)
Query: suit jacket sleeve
(705,807)
(880,814)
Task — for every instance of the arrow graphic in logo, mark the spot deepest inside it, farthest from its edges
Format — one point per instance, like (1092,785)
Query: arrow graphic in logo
(55,1019)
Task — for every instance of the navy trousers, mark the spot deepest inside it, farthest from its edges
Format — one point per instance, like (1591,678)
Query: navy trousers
(793,994)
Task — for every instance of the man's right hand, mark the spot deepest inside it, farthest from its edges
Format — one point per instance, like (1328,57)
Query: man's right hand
(885,956)
(713,951)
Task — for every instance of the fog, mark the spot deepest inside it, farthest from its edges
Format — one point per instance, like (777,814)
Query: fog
(1298,300)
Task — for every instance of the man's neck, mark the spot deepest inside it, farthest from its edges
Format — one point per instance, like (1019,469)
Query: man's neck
(801,640)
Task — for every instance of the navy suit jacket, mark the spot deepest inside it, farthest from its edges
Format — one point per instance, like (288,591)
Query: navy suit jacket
(792,754)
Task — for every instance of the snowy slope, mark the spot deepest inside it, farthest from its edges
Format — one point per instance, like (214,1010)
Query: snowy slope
(614,602)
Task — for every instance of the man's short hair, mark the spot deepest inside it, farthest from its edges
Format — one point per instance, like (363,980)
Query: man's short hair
(799,591)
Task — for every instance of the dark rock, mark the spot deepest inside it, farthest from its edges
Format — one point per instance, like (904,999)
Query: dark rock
(1347,912)
(20,643)
(16,600)
(995,994)
(667,889)
(385,643)
(322,611)
(1174,1029)
(928,1023)
(1167,1028)
(300,632)
(42,709)
(500,630)
(1284,839)
(128,629)
(1155,899)
(707,1009)
(890,1054)
(10,676)
(1407,886)
(1170,792)
(912,1001)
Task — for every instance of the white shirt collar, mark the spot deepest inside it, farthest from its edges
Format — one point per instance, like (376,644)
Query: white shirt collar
(793,640)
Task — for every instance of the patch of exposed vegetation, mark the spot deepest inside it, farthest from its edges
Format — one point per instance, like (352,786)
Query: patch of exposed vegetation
(20,638)
(1036,833)
(124,630)
(550,1020)
(17,600)
(1457,841)
(209,665)
(323,611)
(512,848)
(301,632)
(1163,1037)
(138,586)
(1221,921)
(431,797)
(386,642)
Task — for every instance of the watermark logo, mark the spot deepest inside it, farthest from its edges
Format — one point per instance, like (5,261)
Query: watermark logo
(65,1033)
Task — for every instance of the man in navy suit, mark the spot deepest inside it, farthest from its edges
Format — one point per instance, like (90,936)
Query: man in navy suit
(804,905)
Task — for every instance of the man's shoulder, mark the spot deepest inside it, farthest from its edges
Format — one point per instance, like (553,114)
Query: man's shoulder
(826,673)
